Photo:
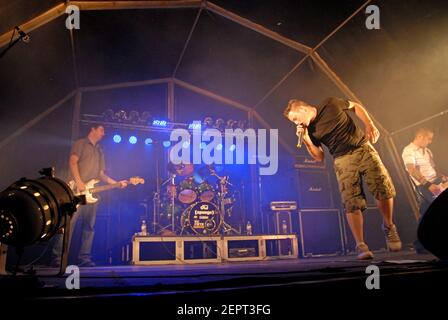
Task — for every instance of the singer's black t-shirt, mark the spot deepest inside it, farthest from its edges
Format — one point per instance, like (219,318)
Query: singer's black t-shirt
(334,128)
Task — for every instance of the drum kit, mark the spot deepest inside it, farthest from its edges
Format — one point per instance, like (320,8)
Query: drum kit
(195,202)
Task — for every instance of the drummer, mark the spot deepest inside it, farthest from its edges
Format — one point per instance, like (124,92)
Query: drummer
(190,185)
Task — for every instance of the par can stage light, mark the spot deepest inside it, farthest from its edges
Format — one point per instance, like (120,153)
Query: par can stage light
(34,210)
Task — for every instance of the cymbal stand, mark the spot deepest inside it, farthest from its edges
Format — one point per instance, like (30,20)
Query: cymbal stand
(172,195)
(156,206)
(222,182)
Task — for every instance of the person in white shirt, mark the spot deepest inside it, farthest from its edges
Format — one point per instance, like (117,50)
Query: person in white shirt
(427,180)
(419,162)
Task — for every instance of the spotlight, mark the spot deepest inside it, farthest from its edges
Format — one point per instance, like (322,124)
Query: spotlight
(120,116)
(159,123)
(232,124)
(109,115)
(232,147)
(117,138)
(132,139)
(195,125)
(219,124)
(242,124)
(208,122)
(133,117)
(219,147)
(148,141)
(34,210)
(145,118)
(166,144)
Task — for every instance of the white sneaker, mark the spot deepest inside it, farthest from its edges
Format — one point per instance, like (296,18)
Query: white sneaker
(392,238)
(363,252)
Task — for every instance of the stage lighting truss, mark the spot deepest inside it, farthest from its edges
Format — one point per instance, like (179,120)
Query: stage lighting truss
(221,124)
(145,122)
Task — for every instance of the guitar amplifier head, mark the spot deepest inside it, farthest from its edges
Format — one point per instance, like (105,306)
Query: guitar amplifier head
(283,205)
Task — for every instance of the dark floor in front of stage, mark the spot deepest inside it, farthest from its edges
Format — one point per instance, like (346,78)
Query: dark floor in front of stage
(169,279)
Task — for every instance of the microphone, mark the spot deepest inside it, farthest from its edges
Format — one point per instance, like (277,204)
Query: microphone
(25,37)
(300,131)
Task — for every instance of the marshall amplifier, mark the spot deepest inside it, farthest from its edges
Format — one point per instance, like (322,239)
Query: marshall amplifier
(281,219)
(283,205)
(315,191)
(307,162)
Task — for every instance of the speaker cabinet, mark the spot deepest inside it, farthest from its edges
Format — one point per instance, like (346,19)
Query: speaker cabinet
(320,233)
(315,190)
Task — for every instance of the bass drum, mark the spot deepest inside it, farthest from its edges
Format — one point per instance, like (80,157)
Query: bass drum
(202,218)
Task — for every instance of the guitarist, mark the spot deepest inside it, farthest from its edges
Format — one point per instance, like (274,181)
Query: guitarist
(86,162)
(420,165)
(427,180)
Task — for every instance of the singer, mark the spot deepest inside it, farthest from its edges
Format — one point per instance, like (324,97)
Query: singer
(355,161)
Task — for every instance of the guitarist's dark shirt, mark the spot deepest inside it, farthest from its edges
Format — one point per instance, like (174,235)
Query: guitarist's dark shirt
(335,128)
(91,159)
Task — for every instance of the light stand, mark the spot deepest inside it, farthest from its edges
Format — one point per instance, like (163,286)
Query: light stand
(65,245)
(3,255)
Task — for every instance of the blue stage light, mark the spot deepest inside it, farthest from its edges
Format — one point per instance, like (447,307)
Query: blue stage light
(232,147)
(117,138)
(219,147)
(148,141)
(166,144)
(132,139)
(195,125)
(159,123)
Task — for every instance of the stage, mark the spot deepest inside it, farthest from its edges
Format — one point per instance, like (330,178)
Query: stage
(222,158)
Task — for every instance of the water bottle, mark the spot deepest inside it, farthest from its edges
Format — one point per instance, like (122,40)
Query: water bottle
(144,231)
(284,227)
(249,228)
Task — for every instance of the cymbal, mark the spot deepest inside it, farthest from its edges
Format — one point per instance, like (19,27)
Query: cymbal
(183,169)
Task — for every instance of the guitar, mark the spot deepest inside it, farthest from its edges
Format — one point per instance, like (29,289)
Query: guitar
(430,196)
(442,187)
(91,189)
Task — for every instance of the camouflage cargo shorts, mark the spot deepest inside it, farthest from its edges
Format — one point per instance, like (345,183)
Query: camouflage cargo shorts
(363,163)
